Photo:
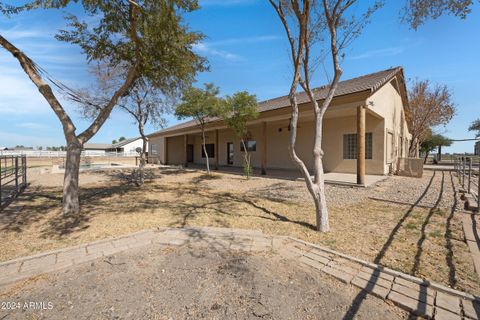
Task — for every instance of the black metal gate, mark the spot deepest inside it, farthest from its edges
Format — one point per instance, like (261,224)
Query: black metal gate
(13,177)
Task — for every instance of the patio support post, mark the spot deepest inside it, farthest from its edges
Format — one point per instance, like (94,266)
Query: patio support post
(165,150)
(264,148)
(185,147)
(217,149)
(361,145)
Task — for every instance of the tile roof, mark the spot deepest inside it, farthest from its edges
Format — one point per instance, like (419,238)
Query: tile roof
(370,82)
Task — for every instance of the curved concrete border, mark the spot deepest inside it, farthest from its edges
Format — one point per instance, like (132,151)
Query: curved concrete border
(420,297)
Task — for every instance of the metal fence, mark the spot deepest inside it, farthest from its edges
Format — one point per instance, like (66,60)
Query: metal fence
(468,172)
(13,177)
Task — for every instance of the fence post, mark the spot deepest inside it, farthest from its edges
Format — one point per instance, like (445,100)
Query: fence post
(469,174)
(478,186)
(463,171)
(16,175)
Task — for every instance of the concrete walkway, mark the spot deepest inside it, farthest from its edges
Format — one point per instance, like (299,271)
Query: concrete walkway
(418,296)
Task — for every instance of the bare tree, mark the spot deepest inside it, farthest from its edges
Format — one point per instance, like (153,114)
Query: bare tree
(429,106)
(145,103)
(325,23)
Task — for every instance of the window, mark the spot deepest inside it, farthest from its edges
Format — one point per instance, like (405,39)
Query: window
(350,146)
(153,148)
(210,150)
(251,145)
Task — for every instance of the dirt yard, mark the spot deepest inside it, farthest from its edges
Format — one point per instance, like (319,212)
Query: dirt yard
(406,224)
(191,283)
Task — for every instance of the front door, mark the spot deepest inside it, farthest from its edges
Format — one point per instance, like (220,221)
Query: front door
(190,153)
(229,153)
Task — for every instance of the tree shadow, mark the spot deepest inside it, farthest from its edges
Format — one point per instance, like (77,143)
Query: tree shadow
(362,295)
(423,236)
(448,238)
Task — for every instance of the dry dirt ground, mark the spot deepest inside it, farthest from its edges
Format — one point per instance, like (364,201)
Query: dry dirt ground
(190,283)
(407,224)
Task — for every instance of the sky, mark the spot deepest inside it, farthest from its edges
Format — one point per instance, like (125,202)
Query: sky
(246,48)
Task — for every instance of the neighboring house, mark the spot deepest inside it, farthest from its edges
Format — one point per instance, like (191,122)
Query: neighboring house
(125,146)
(381,96)
(477,148)
(96,148)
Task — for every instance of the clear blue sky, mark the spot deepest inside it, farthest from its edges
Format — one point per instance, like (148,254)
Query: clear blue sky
(247,50)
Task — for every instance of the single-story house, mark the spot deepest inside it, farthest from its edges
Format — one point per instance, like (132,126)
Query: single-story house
(96,147)
(127,146)
(372,105)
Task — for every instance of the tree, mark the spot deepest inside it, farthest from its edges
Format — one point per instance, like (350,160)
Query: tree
(237,111)
(146,37)
(145,103)
(201,105)
(475,126)
(416,12)
(429,106)
(432,142)
(324,27)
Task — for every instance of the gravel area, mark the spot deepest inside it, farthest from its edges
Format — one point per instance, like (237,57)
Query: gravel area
(191,283)
(393,223)
(403,190)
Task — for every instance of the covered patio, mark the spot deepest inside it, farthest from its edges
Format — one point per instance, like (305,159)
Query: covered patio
(334,178)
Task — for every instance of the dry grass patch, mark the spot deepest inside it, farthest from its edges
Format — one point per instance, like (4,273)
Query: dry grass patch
(416,240)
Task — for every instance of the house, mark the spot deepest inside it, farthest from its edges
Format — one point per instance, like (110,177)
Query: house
(477,148)
(372,105)
(127,146)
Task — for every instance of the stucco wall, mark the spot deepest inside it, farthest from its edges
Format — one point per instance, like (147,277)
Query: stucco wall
(335,128)
(156,148)
(387,102)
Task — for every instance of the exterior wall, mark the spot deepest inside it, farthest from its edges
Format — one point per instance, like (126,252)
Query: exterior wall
(130,147)
(388,103)
(175,153)
(277,145)
(156,148)
(335,128)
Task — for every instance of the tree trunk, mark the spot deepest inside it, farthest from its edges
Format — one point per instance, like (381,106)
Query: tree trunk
(71,202)
(205,150)
(439,157)
(246,160)
(143,160)
(426,157)
(320,200)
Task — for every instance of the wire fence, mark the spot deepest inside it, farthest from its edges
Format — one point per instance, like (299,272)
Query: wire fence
(13,177)
(468,172)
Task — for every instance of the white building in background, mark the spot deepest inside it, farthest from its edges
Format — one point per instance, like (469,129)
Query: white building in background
(127,146)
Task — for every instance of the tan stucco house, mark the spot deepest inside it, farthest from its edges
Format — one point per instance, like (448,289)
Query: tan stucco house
(375,102)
